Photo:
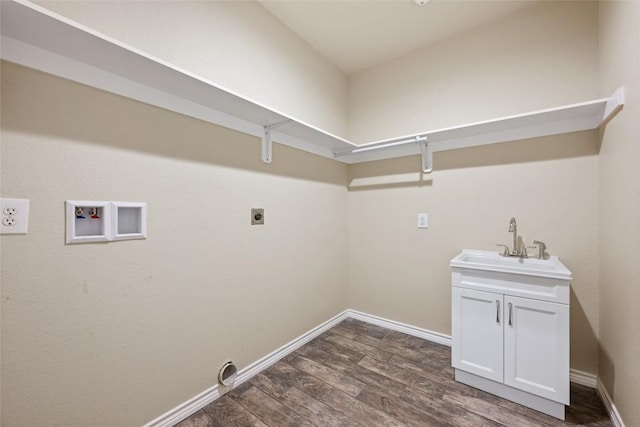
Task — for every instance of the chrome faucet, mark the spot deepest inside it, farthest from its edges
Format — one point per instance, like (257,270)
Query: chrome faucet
(519,247)
(513,228)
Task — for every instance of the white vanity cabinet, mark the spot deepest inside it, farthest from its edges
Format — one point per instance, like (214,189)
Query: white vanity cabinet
(510,335)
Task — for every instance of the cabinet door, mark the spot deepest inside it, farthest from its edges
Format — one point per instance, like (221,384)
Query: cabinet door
(536,352)
(477,335)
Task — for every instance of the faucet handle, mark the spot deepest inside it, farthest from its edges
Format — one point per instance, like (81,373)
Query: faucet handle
(524,250)
(506,249)
(542,247)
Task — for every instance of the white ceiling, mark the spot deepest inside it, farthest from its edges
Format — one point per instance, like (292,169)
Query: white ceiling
(358,34)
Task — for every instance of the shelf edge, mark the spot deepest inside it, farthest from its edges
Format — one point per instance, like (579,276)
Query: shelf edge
(564,119)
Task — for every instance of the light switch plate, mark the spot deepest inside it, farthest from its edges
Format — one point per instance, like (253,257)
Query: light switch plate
(423,220)
(15,216)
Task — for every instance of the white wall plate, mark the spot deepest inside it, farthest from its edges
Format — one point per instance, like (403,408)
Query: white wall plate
(103,221)
(129,220)
(88,221)
(14,216)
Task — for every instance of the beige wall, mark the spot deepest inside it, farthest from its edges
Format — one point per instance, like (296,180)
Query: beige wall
(620,211)
(117,334)
(400,272)
(235,44)
(123,332)
(541,56)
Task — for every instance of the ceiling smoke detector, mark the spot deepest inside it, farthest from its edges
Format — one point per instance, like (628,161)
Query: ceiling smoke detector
(421,2)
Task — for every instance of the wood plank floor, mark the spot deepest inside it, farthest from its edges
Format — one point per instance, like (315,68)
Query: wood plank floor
(358,374)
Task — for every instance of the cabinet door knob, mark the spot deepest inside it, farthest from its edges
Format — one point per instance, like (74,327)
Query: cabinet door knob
(497,311)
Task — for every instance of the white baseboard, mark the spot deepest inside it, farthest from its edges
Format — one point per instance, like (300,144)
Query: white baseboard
(583,378)
(401,327)
(608,405)
(198,402)
(290,347)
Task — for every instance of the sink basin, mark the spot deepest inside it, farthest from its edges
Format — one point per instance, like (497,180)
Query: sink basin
(493,261)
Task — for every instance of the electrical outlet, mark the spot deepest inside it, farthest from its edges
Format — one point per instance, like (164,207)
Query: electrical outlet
(15,216)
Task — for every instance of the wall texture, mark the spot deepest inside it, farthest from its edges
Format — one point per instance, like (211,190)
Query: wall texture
(123,332)
(620,211)
(236,44)
(539,57)
(400,272)
(117,334)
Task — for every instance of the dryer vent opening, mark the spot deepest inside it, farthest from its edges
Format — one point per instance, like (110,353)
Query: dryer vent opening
(228,373)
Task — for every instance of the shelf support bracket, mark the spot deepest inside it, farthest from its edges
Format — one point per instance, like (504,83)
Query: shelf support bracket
(427,156)
(267,144)
(613,106)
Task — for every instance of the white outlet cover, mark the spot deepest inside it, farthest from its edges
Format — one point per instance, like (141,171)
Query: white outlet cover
(20,217)
(423,220)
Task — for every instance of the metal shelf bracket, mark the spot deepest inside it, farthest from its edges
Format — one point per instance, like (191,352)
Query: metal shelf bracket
(427,156)
(267,144)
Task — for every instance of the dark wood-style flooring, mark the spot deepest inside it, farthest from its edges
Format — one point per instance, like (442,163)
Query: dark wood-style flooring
(358,374)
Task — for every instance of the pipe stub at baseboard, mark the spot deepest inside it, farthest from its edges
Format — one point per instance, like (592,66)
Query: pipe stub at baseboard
(228,373)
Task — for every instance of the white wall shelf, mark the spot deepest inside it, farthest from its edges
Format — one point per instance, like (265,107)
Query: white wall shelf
(554,121)
(37,38)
